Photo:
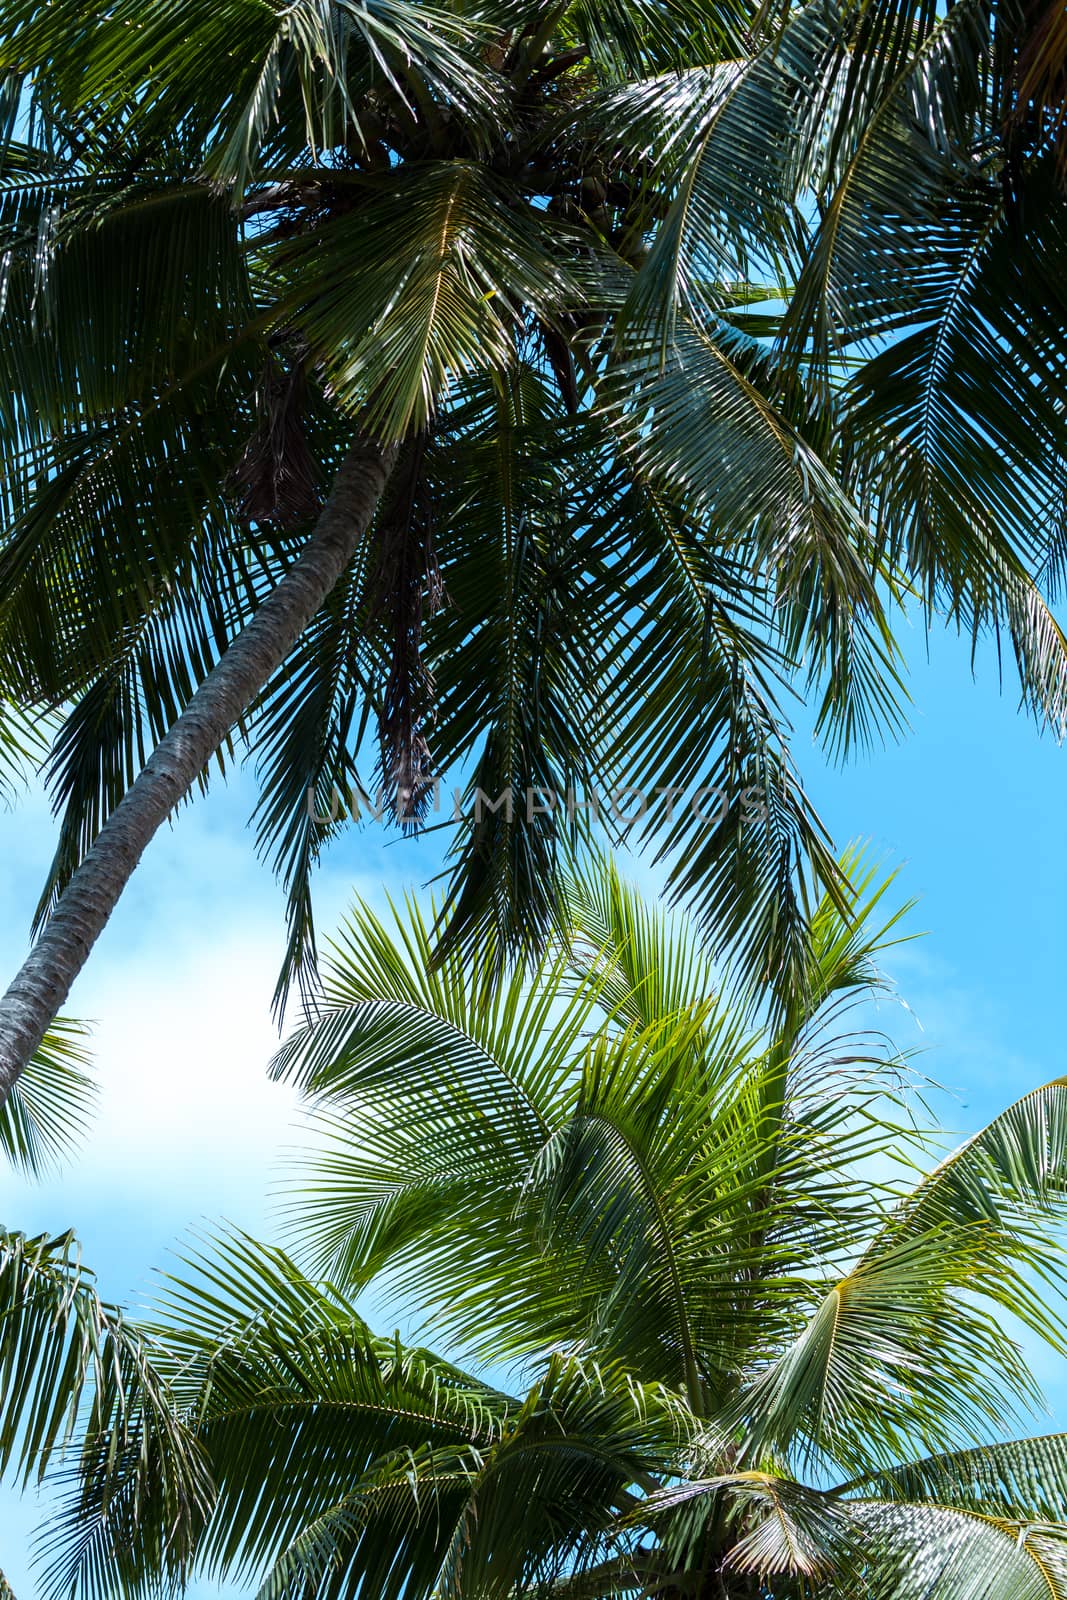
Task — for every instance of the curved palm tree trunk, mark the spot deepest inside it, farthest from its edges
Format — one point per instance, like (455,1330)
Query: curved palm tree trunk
(45,979)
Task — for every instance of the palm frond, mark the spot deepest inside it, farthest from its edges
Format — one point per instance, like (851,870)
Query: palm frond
(1020,1480)
(782,1529)
(901,1308)
(650,966)
(69,1362)
(51,1105)
(321,1437)
(392,345)
(938,1551)
(251,84)
(23,746)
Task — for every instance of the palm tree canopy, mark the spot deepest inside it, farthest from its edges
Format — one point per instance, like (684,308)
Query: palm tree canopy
(763,1346)
(709,331)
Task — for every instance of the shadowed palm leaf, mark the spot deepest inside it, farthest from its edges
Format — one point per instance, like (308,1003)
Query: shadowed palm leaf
(704,335)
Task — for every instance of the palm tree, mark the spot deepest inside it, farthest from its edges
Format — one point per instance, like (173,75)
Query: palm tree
(765,1347)
(425,369)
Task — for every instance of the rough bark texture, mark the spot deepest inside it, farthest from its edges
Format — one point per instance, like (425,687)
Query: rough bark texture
(45,979)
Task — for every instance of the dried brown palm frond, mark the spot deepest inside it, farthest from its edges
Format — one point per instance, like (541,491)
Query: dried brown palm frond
(278,478)
(403,588)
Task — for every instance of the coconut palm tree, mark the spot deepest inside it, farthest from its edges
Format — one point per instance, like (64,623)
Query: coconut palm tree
(411,368)
(763,1345)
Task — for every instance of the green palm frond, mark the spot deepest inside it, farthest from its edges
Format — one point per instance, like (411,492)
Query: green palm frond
(985,1220)
(735,143)
(1016,1163)
(468,260)
(452,1075)
(23,746)
(636,37)
(903,103)
(71,1365)
(52,1103)
(707,422)
(1021,1480)
(649,967)
(340,1459)
(518,699)
(477,1067)
(106,734)
(256,83)
(86,279)
(939,1551)
(70,1361)
(927,279)
(263,1356)
(847,941)
(309,783)
(897,1307)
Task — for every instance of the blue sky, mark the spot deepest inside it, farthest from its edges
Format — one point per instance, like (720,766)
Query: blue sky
(971,805)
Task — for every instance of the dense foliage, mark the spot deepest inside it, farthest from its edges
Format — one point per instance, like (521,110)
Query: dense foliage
(712,332)
(762,1344)
(700,339)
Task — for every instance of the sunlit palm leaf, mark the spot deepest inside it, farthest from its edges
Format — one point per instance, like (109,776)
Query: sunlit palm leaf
(52,1103)
(1022,1480)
